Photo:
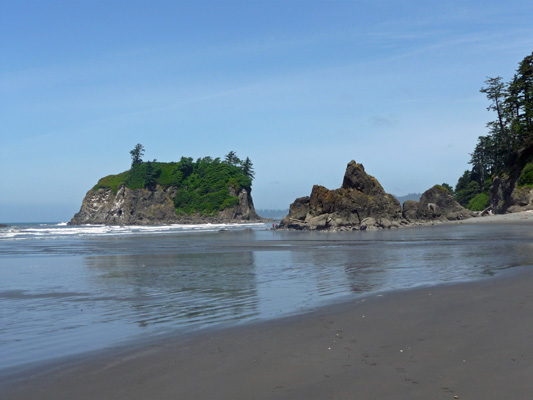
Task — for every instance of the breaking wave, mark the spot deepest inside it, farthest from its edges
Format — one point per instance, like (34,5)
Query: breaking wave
(51,231)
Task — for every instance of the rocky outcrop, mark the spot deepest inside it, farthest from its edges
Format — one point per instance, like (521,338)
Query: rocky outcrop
(360,203)
(521,199)
(506,195)
(151,207)
(435,204)
(410,210)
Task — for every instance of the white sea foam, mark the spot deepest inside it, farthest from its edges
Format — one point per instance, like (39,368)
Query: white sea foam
(63,230)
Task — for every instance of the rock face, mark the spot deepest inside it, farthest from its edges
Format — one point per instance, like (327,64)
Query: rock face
(521,199)
(360,203)
(151,207)
(505,195)
(435,204)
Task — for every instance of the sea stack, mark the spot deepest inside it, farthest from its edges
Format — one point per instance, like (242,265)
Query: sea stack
(360,203)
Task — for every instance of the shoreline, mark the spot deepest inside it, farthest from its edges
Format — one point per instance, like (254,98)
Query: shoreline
(521,216)
(508,218)
(470,339)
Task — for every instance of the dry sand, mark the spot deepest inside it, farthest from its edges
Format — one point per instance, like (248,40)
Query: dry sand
(519,217)
(470,340)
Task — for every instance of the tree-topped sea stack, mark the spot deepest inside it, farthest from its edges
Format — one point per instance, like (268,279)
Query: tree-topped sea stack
(203,191)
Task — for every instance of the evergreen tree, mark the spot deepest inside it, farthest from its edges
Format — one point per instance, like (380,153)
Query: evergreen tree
(513,127)
(151,173)
(496,92)
(248,168)
(232,159)
(508,134)
(136,155)
(522,89)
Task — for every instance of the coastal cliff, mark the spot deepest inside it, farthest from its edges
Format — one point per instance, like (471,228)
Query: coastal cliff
(512,190)
(149,207)
(361,203)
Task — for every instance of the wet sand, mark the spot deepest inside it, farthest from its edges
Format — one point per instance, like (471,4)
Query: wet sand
(471,340)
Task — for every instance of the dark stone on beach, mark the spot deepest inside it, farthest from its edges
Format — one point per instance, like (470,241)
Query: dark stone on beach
(4,226)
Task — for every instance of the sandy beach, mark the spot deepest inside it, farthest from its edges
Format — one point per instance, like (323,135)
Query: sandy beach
(524,216)
(470,340)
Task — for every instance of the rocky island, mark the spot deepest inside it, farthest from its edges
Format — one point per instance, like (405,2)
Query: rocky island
(362,203)
(187,192)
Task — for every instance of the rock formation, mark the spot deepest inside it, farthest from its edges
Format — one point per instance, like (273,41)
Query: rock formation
(360,203)
(521,199)
(435,204)
(506,195)
(152,207)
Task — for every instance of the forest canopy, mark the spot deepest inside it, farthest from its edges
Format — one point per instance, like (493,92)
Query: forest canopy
(509,132)
(203,186)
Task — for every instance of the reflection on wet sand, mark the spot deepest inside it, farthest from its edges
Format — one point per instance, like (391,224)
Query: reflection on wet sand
(178,289)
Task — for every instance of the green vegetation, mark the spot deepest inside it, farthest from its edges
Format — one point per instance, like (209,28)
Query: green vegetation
(512,130)
(526,177)
(478,203)
(204,186)
(112,182)
(136,155)
(447,187)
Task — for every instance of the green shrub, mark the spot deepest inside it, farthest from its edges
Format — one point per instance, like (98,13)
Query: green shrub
(464,196)
(478,203)
(112,182)
(526,176)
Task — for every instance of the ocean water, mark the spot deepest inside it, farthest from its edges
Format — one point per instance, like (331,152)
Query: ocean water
(66,290)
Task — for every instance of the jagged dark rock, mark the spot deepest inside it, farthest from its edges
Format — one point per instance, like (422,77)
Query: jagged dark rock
(410,210)
(152,207)
(360,203)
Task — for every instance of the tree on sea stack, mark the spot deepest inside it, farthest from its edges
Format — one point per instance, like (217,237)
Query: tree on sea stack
(248,169)
(136,155)
(232,159)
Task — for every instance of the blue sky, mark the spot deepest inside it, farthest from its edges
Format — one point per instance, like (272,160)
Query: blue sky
(300,87)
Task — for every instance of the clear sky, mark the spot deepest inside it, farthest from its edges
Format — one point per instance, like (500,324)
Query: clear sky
(300,87)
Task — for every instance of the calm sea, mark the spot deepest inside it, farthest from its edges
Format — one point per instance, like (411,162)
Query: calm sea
(66,290)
